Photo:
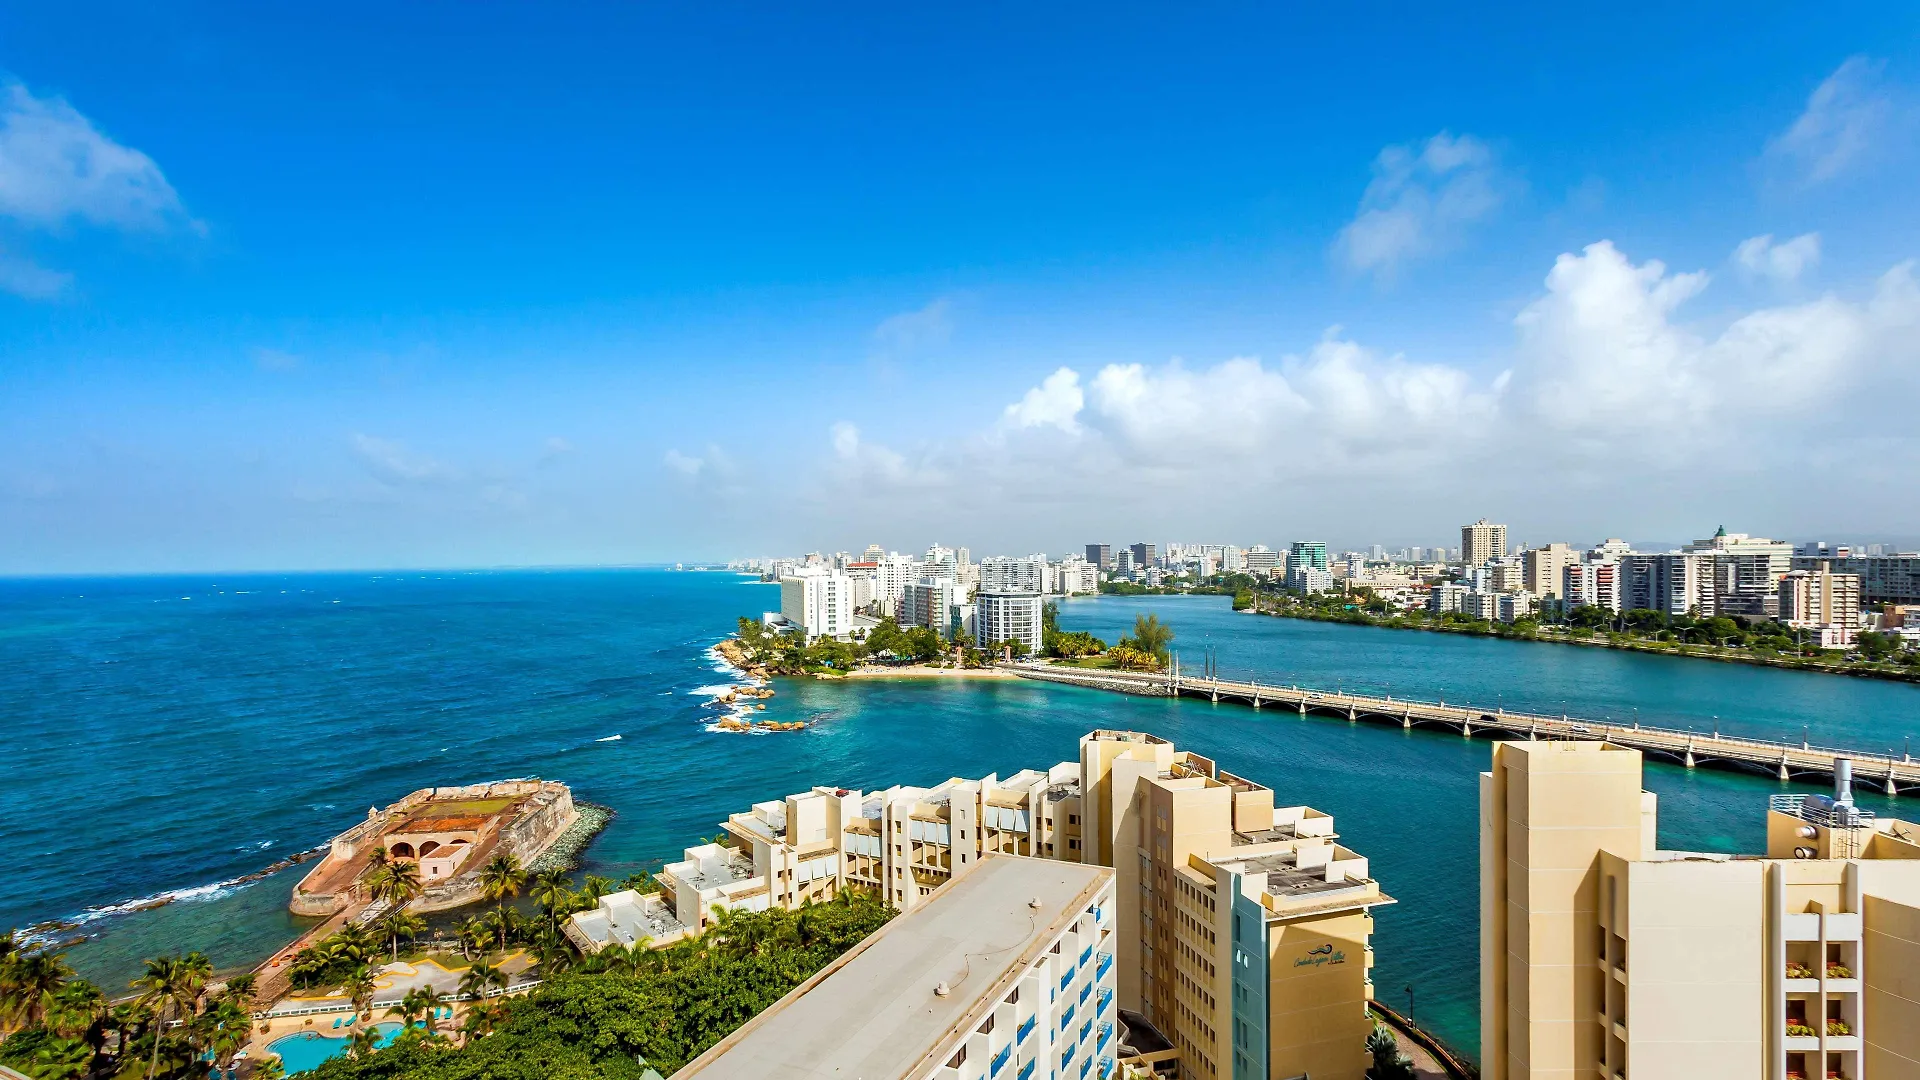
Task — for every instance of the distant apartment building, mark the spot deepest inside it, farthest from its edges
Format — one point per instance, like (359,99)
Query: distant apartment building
(1742,573)
(1605,957)
(1612,548)
(940,604)
(1308,578)
(1077,577)
(1013,574)
(1311,553)
(1543,570)
(1592,584)
(1674,582)
(1884,579)
(818,600)
(1100,555)
(892,574)
(1239,929)
(1482,541)
(1258,559)
(1144,556)
(1503,575)
(1008,973)
(1823,601)
(1444,598)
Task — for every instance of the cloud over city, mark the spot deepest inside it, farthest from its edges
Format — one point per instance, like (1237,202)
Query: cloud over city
(1421,201)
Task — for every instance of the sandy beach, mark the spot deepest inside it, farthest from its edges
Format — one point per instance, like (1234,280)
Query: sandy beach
(923,671)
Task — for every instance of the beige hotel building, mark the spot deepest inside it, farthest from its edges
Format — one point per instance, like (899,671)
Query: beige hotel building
(1241,929)
(1605,957)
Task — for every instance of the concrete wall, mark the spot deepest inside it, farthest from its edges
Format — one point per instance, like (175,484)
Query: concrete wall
(1317,1002)
(1696,958)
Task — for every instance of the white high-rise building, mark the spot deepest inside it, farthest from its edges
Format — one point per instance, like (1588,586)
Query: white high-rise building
(1012,574)
(1002,617)
(893,573)
(1593,584)
(1078,577)
(1482,541)
(818,600)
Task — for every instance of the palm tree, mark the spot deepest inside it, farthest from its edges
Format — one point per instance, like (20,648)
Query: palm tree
(75,1008)
(364,1043)
(403,882)
(472,933)
(480,1019)
(359,988)
(269,1068)
(597,887)
(430,1002)
(409,1008)
(31,979)
(401,923)
(552,890)
(62,1059)
(480,978)
(500,881)
(226,1028)
(171,984)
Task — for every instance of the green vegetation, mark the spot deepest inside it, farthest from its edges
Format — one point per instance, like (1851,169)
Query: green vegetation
(1760,641)
(621,1006)
(1066,645)
(787,654)
(58,1026)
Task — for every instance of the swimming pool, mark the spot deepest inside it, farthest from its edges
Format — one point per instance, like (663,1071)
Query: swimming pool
(305,1050)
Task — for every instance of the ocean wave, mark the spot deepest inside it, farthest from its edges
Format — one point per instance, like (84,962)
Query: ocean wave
(610,738)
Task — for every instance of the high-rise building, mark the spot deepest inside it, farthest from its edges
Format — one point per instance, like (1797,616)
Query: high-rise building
(819,601)
(1675,582)
(1100,555)
(1884,579)
(1243,927)
(1002,617)
(1595,583)
(1143,555)
(1743,574)
(1311,553)
(873,554)
(1482,541)
(1544,569)
(1007,972)
(1012,574)
(1078,577)
(1821,598)
(937,603)
(1604,957)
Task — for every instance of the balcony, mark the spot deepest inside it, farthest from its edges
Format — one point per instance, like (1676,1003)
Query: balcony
(1000,1061)
(1066,1019)
(1086,990)
(1106,1000)
(1086,954)
(1026,1071)
(1106,962)
(1106,1036)
(1066,977)
(1086,1029)
(1026,1029)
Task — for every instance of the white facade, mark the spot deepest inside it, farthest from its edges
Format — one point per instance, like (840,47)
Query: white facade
(819,601)
(1078,577)
(1008,617)
(1594,584)
(1004,574)
(1310,579)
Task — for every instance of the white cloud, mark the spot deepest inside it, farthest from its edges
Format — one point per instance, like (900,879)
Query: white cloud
(684,464)
(1421,200)
(55,166)
(1846,114)
(1784,262)
(1056,402)
(912,330)
(392,462)
(23,277)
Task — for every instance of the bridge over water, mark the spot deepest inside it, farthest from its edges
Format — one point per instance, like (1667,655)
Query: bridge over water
(1891,773)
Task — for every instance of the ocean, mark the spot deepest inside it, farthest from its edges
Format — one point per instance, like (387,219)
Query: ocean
(169,735)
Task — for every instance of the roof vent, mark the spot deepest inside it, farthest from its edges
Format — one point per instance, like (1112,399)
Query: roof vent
(1034,903)
(940,989)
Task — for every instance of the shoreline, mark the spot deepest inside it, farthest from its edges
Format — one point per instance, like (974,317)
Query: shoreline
(1648,648)
(925,671)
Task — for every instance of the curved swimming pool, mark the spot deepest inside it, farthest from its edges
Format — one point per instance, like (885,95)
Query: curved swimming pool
(303,1051)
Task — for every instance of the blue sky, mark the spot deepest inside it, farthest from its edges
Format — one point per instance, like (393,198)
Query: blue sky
(374,287)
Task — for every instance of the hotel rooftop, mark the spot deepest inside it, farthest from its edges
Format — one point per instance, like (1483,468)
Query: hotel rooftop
(892,1007)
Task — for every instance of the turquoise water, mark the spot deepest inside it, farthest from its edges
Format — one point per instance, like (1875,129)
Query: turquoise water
(304,1051)
(160,744)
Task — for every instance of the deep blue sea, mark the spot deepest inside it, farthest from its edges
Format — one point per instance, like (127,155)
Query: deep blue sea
(168,734)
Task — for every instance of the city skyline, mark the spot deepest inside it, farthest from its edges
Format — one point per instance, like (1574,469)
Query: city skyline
(621,286)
